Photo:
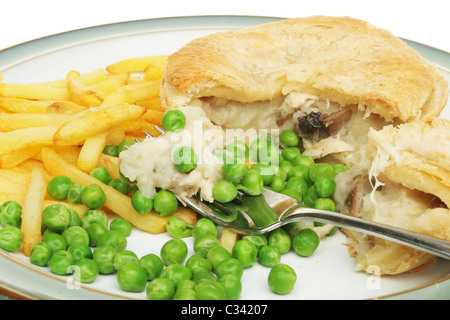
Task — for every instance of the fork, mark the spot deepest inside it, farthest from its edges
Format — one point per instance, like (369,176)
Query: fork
(289,210)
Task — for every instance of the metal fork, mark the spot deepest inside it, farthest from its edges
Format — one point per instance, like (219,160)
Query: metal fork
(289,210)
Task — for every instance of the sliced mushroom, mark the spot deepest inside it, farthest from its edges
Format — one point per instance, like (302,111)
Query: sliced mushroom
(318,126)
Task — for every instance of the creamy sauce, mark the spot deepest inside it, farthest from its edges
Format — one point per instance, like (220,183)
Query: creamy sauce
(150,163)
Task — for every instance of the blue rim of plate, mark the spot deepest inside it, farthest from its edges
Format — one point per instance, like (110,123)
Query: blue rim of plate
(14,55)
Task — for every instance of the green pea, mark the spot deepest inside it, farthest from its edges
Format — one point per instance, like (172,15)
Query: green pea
(111,150)
(104,256)
(177,273)
(298,184)
(11,214)
(74,218)
(10,238)
(201,276)
(121,225)
(305,242)
(324,187)
(238,149)
(124,145)
(41,253)
(93,196)
(292,193)
(132,277)
(266,170)
(197,263)
(87,270)
(310,197)
(259,240)
(123,257)
(277,184)
(232,286)
(185,159)
(234,172)
(280,239)
(61,262)
(210,290)
(114,239)
(321,170)
(80,251)
(165,203)
(282,279)
(95,230)
(59,186)
(174,251)
(289,153)
(173,120)
(177,228)
(152,265)
(269,256)
(204,227)
(339,168)
(299,171)
(74,193)
(76,234)
(55,241)
(56,217)
(252,183)
(229,266)
(160,289)
(203,244)
(325,204)
(94,216)
(303,160)
(185,294)
(224,191)
(268,153)
(141,203)
(186,284)
(246,252)
(216,255)
(286,166)
(120,185)
(289,138)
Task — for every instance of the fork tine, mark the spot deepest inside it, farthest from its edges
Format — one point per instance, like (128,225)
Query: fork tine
(161,130)
(148,134)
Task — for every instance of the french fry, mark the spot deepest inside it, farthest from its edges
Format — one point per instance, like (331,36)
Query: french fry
(14,158)
(32,211)
(24,138)
(65,107)
(152,103)
(99,120)
(82,94)
(134,92)
(156,68)
(111,163)
(138,64)
(153,116)
(90,152)
(24,105)
(111,83)
(228,239)
(115,136)
(16,121)
(117,202)
(88,78)
(34,92)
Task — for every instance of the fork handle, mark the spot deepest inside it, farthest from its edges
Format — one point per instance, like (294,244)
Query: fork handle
(416,240)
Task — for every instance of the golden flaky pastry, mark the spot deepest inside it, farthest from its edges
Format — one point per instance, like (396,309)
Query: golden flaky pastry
(341,59)
(407,186)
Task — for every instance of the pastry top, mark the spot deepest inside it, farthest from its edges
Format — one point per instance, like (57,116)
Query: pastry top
(340,59)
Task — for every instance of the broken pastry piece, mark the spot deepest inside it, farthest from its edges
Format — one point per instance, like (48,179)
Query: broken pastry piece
(405,182)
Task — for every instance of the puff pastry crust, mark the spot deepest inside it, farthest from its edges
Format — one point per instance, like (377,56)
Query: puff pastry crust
(342,59)
(411,164)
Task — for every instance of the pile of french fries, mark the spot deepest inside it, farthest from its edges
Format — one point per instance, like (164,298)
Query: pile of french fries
(61,128)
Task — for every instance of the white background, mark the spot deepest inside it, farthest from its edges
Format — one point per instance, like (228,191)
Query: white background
(427,21)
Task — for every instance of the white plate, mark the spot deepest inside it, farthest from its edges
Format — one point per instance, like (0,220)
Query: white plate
(328,274)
